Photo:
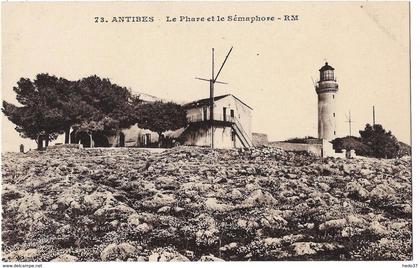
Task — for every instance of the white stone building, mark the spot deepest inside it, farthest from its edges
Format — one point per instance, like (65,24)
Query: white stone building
(231,123)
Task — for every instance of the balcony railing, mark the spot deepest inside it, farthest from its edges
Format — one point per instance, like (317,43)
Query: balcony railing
(237,126)
(217,117)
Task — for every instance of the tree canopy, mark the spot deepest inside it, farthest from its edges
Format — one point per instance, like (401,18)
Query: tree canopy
(374,141)
(381,142)
(351,143)
(49,106)
(109,104)
(160,116)
(40,116)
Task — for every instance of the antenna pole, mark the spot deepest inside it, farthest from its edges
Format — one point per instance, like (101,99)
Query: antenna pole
(212,98)
(223,64)
(212,81)
(349,121)
(212,63)
(373,114)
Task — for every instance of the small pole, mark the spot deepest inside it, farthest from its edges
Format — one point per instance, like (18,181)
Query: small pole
(212,98)
(373,111)
(349,121)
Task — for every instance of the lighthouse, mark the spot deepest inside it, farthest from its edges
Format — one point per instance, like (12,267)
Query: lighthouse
(326,89)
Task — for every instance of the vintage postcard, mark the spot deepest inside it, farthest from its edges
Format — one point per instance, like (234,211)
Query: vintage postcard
(206,131)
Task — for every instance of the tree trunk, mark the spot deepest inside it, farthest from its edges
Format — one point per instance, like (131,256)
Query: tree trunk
(67,136)
(159,140)
(91,141)
(39,142)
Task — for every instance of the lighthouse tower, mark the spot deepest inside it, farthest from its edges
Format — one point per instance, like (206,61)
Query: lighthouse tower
(326,89)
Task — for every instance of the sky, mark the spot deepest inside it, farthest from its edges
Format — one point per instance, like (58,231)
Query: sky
(271,66)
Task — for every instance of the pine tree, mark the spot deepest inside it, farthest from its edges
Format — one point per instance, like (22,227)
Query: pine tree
(38,118)
(160,117)
(382,143)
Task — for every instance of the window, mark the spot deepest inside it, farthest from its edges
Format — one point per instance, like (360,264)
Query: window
(333,96)
(333,114)
(334,132)
(327,75)
(232,113)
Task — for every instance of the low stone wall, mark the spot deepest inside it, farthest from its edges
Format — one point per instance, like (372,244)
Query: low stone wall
(322,149)
(315,149)
(59,146)
(328,151)
(259,139)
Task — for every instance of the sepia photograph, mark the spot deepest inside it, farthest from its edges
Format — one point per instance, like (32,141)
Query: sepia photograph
(206,131)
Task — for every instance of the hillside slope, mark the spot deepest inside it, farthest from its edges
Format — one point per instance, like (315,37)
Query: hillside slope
(197,204)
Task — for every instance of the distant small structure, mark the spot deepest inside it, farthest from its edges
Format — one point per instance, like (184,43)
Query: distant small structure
(22,148)
(317,147)
(128,137)
(134,137)
(259,139)
(313,146)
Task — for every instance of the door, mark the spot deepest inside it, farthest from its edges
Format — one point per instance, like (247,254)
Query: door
(224,113)
(233,136)
(148,139)
(205,113)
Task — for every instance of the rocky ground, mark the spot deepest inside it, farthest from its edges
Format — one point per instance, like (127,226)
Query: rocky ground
(197,204)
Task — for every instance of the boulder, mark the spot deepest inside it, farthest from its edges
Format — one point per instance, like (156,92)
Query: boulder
(96,200)
(21,255)
(110,213)
(29,204)
(378,229)
(164,209)
(258,197)
(236,194)
(333,224)
(159,200)
(144,228)
(214,205)
(210,257)
(166,255)
(356,190)
(304,248)
(114,252)
(65,258)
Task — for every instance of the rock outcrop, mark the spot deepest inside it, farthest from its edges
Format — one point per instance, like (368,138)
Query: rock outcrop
(191,203)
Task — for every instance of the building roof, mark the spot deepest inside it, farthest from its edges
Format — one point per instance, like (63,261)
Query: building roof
(206,102)
(326,67)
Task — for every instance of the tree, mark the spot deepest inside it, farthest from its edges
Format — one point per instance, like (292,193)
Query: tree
(351,143)
(404,150)
(160,116)
(39,118)
(50,106)
(75,109)
(382,143)
(108,100)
